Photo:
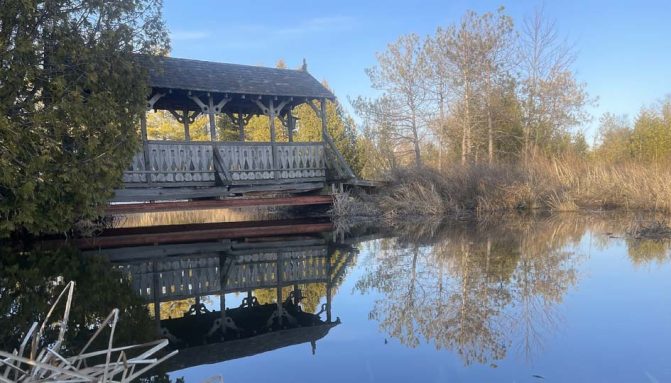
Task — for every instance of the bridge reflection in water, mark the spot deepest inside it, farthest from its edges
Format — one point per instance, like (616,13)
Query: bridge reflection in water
(296,269)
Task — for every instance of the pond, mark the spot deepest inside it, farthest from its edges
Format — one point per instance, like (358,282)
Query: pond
(514,299)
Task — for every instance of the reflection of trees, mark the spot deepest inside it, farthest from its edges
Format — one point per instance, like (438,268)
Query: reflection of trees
(473,288)
(31,280)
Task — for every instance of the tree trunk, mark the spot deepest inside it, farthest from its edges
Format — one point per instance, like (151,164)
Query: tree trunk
(441,131)
(466,139)
(415,139)
(490,136)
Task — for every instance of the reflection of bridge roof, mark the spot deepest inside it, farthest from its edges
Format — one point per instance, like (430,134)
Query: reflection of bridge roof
(240,348)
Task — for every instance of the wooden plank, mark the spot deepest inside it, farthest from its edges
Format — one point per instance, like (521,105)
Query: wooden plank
(217,204)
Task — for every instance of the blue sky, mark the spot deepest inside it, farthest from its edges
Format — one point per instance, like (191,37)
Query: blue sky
(624,47)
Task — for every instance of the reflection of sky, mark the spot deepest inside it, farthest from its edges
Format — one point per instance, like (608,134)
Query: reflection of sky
(614,325)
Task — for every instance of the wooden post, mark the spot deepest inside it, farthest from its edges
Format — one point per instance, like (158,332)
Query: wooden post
(187,136)
(271,115)
(291,124)
(241,126)
(145,146)
(323,117)
(210,112)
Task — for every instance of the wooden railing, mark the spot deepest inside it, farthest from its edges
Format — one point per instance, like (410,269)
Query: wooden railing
(175,163)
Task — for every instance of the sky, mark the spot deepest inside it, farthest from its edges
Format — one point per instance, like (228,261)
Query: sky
(623,47)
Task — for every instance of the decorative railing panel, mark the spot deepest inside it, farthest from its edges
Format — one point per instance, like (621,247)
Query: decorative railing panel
(300,161)
(248,162)
(172,162)
(177,163)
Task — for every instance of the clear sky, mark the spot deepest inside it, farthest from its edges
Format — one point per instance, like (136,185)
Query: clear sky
(624,47)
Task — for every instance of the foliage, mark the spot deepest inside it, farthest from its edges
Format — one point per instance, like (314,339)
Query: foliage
(162,126)
(71,96)
(648,141)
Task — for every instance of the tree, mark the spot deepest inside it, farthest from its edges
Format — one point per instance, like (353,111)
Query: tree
(400,74)
(615,138)
(71,96)
(553,101)
(475,57)
(161,125)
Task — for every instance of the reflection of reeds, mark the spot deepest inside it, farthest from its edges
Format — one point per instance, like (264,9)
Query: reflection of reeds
(196,216)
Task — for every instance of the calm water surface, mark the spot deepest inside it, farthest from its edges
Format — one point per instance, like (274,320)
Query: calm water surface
(556,299)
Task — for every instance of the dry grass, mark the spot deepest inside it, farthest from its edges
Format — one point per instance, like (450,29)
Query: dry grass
(554,185)
(194,216)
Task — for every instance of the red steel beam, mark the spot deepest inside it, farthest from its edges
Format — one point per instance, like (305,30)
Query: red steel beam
(148,207)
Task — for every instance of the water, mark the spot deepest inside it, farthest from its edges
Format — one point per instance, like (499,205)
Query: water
(566,298)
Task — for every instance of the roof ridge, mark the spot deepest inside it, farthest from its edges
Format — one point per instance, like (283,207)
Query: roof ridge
(228,63)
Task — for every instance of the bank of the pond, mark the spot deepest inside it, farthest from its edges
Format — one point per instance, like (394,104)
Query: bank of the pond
(558,185)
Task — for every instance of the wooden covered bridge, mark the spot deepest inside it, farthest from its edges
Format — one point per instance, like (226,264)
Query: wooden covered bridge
(168,170)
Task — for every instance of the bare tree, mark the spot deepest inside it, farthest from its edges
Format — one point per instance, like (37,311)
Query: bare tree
(553,100)
(400,75)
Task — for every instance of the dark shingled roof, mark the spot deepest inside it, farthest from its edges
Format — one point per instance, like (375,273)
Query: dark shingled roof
(207,76)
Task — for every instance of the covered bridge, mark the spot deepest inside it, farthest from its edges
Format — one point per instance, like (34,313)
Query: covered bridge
(199,169)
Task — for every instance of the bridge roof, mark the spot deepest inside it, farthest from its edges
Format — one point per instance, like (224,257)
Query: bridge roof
(216,77)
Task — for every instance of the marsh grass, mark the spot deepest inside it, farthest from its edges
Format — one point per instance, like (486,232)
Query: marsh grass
(566,184)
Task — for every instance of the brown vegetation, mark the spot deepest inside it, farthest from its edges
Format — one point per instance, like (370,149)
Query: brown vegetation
(567,184)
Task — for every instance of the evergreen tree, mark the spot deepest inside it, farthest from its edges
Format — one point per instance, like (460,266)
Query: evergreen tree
(71,97)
